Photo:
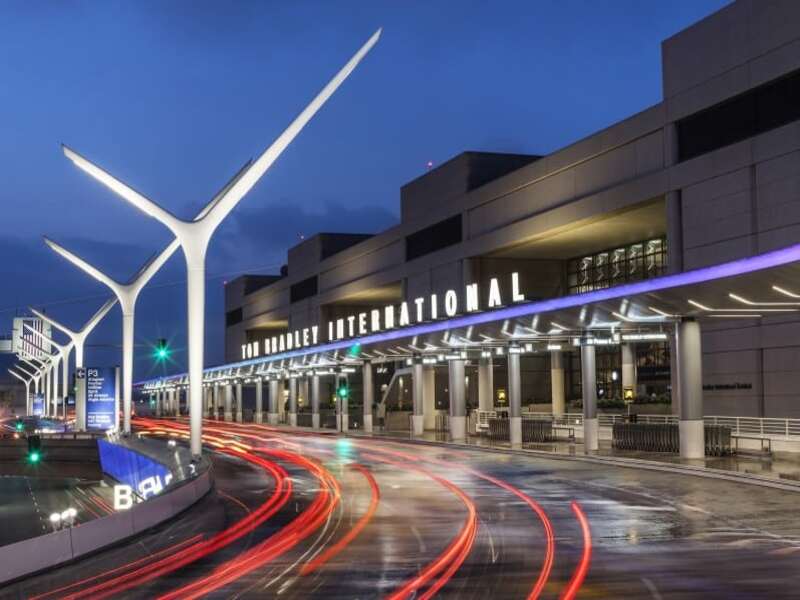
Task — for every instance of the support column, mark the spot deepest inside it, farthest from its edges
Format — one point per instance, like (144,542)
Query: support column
(485,383)
(158,403)
(628,369)
(274,394)
(368,396)
(302,392)
(258,416)
(215,401)
(207,391)
(239,409)
(293,401)
(674,374)
(690,369)
(458,406)
(417,395)
(344,407)
(514,398)
(557,389)
(228,412)
(589,389)
(315,401)
(429,396)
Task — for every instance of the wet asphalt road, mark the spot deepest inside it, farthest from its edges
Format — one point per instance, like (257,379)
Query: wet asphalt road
(652,535)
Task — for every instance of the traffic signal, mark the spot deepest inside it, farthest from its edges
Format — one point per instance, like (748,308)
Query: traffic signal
(34,449)
(161,351)
(343,392)
(20,426)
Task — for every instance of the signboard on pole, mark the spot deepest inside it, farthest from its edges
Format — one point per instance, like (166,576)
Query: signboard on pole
(101,393)
(38,404)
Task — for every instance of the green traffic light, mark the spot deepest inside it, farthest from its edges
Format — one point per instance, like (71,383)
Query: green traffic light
(20,426)
(34,457)
(343,392)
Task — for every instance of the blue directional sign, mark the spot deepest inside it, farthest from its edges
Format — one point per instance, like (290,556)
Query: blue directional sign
(101,384)
(38,404)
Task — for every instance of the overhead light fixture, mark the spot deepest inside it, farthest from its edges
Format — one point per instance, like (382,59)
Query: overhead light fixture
(734,310)
(785,292)
(554,346)
(744,300)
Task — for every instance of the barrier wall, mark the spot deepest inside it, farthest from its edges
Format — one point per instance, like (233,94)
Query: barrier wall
(46,551)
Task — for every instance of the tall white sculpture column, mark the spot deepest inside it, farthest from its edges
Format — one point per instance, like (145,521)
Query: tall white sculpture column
(258,416)
(485,383)
(557,387)
(514,397)
(79,339)
(589,389)
(239,399)
(690,369)
(27,382)
(458,406)
(315,401)
(293,401)
(368,395)
(418,395)
(194,236)
(275,397)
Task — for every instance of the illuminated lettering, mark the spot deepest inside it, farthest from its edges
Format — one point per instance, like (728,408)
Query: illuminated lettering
(404,319)
(375,319)
(123,497)
(494,293)
(516,295)
(419,302)
(472,297)
(450,303)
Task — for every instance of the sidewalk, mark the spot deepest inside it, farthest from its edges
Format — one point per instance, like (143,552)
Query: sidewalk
(783,468)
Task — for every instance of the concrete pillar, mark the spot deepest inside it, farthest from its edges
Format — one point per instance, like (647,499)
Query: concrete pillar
(557,387)
(589,388)
(344,407)
(293,401)
(158,403)
(275,398)
(215,401)
(239,409)
(429,396)
(369,395)
(458,405)
(674,374)
(485,383)
(228,416)
(258,417)
(315,401)
(628,368)
(514,398)
(418,394)
(206,402)
(690,368)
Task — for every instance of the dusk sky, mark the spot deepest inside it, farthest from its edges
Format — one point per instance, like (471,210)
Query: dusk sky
(173,97)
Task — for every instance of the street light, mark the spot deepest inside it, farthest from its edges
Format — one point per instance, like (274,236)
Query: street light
(79,339)
(63,353)
(194,236)
(128,293)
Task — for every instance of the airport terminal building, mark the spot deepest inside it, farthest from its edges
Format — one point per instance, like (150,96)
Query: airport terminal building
(653,263)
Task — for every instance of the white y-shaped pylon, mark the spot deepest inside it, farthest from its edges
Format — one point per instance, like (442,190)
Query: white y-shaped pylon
(27,381)
(79,339)
(128,293)
(194,236)
(43,368)
(53,359)
(64,351)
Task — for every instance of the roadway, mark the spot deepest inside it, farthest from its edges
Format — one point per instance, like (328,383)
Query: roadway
(315,515)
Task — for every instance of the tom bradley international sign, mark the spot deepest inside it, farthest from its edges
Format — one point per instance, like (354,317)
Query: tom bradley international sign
(392,316)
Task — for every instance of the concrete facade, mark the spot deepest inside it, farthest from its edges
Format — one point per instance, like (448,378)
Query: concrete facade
(626,184)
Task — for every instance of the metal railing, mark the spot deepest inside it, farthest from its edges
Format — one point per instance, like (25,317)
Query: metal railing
(765,427)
